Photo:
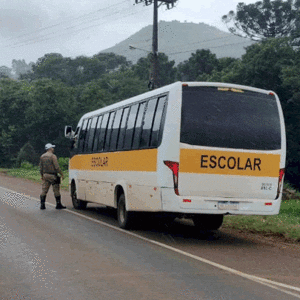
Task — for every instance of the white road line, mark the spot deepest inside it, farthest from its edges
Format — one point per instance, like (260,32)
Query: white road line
(270,283)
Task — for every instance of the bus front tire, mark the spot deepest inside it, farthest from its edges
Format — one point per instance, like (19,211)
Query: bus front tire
(208,222)
(78,204)
(125,217)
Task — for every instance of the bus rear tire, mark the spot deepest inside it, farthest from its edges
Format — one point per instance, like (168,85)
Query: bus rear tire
(125,218)
(77,204)
(208,222)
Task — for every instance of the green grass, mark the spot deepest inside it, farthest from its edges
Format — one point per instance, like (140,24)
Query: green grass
(33,175)
(286,224)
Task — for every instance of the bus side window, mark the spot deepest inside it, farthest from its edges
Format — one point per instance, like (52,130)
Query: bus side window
(157,124)
(82,135)
(109,130)
(115,130)
(130,126)
(76,139)
(121,139)
(147,124)
(92,134)
(85,147)
(138,126)
(102,132)
(97,133)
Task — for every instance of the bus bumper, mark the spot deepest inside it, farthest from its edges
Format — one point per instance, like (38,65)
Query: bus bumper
(209,205)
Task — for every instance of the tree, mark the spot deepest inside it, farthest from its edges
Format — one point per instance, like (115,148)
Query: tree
(122,85)
(167,71)
(227,71)
(264,19)
(5,72)
(291,81)
(28,154)
(52,65)
(112,61)
(200,64)
(76,71)
(52,106)
(20,67)
(91,96)
(14,102)
(263,63)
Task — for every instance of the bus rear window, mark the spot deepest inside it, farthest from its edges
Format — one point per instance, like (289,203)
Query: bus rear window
(229,119)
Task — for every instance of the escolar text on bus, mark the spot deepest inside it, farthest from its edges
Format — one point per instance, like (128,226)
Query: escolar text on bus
(99,162)
(231,162)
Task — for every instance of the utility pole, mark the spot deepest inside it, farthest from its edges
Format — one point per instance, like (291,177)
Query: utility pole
(154,73)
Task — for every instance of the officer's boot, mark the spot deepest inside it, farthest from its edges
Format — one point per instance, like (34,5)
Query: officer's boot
(43,200)
(58,203)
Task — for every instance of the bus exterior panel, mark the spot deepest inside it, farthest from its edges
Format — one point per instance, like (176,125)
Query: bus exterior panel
(98,174)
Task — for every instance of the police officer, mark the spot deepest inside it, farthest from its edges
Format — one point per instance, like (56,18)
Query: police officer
(49,169)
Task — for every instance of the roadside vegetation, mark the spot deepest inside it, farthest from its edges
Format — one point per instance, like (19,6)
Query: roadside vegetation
(31,172)
(285,225)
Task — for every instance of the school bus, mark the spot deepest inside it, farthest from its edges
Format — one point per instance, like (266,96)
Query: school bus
(197,150)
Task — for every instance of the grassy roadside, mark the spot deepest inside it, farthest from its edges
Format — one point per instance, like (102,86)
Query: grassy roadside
(33,175)
(286,224)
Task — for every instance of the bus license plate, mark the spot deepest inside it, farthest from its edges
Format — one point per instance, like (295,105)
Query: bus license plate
(228,205)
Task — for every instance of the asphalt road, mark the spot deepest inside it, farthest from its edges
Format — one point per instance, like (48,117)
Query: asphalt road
(55,254)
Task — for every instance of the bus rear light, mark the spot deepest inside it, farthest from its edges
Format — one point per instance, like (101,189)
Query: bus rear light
(174,167)
(280,182)
(281,174)
(268,203)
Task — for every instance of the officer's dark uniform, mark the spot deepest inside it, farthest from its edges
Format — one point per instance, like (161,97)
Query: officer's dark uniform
(49,168)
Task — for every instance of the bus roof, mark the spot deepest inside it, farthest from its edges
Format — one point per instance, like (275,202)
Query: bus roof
(167,88)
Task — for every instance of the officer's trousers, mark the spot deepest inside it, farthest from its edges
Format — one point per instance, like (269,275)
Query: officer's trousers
(48,180)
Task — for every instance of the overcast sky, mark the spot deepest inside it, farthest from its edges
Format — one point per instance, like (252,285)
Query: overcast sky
(31,28)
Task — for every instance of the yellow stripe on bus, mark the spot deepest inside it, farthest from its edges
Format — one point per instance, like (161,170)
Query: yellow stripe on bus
(135,160)
(229,163)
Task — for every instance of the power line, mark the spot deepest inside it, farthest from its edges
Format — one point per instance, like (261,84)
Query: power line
(198,42)
(95,18)
(63,22)
(48,36)
(206,47)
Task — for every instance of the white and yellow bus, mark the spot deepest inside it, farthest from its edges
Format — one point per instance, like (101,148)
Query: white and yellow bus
(197,150)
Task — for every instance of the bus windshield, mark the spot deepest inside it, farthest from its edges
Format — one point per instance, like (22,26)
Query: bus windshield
(239,119)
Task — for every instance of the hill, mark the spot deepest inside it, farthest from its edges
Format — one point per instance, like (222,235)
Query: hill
(179,40)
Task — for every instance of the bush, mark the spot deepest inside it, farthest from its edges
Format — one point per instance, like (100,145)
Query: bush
(27,154)
(27,165)
(63,163)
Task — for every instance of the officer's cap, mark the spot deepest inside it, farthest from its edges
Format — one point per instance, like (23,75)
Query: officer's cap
(48,146)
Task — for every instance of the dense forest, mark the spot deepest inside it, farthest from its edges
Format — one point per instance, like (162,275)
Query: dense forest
(37,101)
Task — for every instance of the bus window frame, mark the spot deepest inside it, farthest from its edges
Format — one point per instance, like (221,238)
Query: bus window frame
(100,131)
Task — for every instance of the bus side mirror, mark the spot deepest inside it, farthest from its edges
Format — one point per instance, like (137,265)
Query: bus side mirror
(69,133)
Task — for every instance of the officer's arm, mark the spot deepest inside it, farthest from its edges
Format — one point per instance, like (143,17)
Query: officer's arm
(41,169)
(56,166)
